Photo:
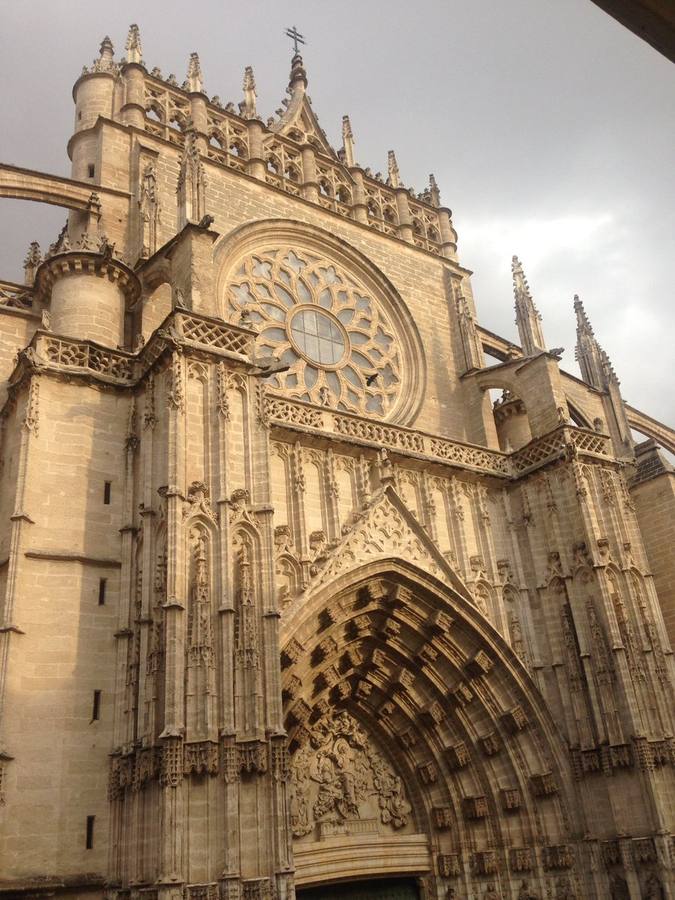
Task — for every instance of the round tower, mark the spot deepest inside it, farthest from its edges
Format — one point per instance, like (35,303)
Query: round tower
(87,290)
(93,93)
(513,426)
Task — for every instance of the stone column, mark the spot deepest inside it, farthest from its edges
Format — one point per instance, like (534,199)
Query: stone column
(133,111)
(310,185)
(256,163)
(404,229)
(359,208)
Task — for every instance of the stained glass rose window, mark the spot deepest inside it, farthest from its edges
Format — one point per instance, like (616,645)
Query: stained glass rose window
(312,316)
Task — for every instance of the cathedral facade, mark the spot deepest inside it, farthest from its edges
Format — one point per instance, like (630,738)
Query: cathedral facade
(288,605)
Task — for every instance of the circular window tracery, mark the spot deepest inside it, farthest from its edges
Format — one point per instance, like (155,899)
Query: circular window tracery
(335,337)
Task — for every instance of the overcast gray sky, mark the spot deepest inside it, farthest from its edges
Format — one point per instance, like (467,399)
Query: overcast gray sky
(548,125)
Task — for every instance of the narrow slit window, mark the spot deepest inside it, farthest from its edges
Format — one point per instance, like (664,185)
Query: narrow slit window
(96,706)
(89,841)
(102,583)
(107,490)
(91,170)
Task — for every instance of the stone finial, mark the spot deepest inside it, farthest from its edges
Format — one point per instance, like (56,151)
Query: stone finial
(195,80)
(348,141)
(393,177)
(434,193)
(133,46)
(596,367)
(106,50)
(247,107)
(298,74)
(528,319)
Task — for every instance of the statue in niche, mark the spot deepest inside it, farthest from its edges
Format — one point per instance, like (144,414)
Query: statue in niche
(338,778)
(491,893)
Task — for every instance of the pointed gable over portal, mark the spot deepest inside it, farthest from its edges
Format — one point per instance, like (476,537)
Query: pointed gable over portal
(386,529)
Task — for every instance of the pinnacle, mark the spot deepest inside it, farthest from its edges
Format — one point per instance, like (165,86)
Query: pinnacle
(394,176)
(195,80)
(133,46)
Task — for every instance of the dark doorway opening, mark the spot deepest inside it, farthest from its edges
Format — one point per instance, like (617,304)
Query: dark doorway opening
(377,889)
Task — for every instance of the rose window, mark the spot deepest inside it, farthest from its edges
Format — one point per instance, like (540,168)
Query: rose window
(336,339)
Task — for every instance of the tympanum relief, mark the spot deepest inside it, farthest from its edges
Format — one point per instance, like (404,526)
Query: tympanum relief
(341,784)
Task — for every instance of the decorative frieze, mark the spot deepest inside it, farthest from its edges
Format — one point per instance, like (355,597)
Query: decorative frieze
(484,862)
(515,720)
(200,758)
(521,859)
(490,743)
(427,772)
(442,817)
(543,785)
(644,850)
(171,771)
(252,757)
(202,892)
(479,664)
(433,714)
(511,799)
(475,807)
(461,694)
(449,865)
(559,856)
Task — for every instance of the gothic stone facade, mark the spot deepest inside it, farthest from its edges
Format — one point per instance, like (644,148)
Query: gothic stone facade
(286,600)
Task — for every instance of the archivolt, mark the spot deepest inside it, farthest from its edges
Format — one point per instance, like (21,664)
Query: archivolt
(431,680)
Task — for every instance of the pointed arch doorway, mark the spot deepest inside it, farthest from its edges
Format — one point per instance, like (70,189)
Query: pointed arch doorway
(399,694)
(377,889)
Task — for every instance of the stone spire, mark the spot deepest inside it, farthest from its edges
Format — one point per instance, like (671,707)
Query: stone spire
(528,319)
(195,80)
(597,371)
(347,141)
(133,46)
(394,177)
(596,368)
(247,107)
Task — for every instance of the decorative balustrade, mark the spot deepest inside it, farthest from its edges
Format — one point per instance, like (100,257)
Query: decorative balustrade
(563,441)
(122,367)
(86,358)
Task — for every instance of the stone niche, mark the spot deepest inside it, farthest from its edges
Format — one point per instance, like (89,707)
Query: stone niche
(343,785)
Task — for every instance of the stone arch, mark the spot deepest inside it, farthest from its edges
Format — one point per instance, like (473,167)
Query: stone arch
(251,237)
(24,184)
(422,673)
